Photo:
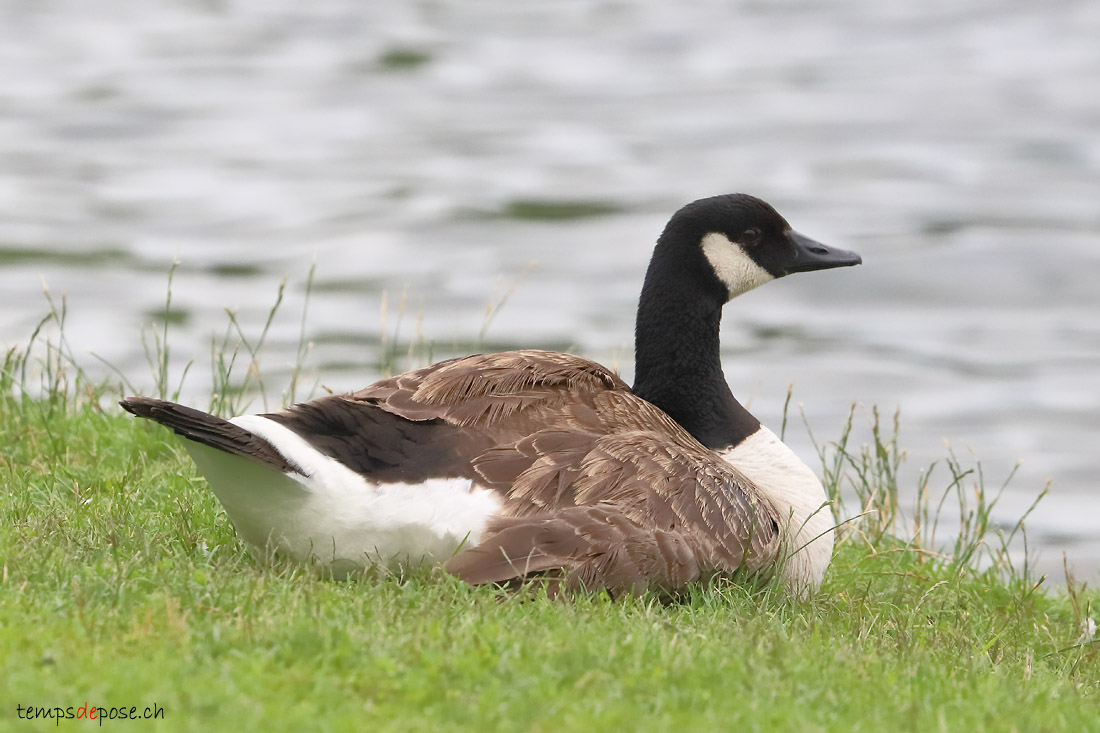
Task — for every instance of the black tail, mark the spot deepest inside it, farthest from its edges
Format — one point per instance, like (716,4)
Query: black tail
(209,430)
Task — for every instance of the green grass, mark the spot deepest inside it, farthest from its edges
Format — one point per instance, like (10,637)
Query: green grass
(123,584)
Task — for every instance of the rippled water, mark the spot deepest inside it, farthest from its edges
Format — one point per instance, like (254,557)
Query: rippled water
(446,152)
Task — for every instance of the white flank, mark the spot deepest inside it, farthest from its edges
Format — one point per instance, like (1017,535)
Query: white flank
(733,265)
(333,516)
(800,499)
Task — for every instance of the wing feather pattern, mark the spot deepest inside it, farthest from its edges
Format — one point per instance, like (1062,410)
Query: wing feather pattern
(637,512)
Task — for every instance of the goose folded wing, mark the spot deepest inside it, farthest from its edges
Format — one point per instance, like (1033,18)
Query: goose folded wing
(624,512)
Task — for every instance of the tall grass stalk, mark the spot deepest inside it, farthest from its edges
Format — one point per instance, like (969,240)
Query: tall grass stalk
(230,395)
(867,475)
(60,375)
(390,344)
(496,304)
(157,349)
(304,345)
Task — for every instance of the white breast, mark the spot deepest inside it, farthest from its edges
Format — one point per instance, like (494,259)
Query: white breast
(333,516)
(798,496)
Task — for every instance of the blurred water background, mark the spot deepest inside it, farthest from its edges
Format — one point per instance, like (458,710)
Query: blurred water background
(454,154)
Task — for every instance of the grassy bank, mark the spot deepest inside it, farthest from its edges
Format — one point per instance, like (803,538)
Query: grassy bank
(122,584)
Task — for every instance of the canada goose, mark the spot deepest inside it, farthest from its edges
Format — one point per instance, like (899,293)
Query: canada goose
(533,463)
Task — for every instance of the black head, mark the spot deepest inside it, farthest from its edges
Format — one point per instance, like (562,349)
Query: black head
(745,243)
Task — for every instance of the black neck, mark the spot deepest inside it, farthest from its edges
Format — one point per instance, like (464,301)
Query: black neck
(677,361)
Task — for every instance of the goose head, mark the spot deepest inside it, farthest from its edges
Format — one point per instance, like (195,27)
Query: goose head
(737,242)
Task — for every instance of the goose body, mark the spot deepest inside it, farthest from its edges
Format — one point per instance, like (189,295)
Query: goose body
(530,463)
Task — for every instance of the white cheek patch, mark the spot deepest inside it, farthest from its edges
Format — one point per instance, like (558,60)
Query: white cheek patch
(733,265)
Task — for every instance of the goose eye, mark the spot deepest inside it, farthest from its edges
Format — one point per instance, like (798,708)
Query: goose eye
(750,236)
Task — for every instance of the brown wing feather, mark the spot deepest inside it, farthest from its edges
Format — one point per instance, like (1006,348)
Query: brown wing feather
(487,390)
(582,547)
(624,511)
(683,487)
